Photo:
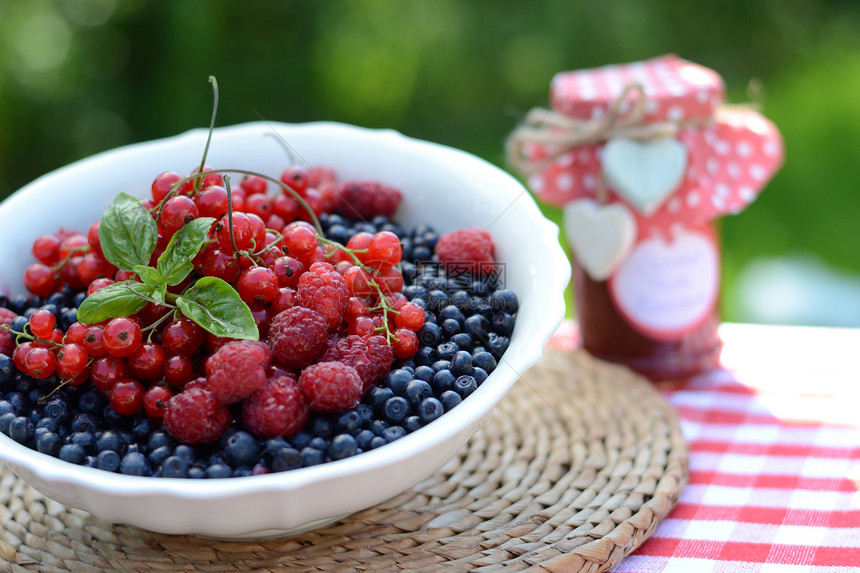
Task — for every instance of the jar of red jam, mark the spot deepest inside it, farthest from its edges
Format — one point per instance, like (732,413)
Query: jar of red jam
(642,158)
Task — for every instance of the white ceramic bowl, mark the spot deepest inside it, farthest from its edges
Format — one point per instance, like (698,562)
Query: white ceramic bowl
(447,188)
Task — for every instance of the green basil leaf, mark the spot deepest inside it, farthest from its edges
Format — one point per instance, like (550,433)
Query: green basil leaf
(149,275)
(216,307)
(118,299)
(128,233)
(174,264)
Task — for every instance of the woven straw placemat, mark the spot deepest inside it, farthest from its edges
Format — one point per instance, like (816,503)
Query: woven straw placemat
(573,471)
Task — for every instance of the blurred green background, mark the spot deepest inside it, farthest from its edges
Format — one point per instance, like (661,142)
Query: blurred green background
(81,76)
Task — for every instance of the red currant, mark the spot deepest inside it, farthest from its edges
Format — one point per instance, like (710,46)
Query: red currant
(178,370)
(288,270)
(42,323)
(177,212)
(71,360)
(296,178)
(243,232)
(389,278)
(358,281)
(362,326)
(162,185)
(94,340)
(254,184)
(40,280)
(147,362)
(406,344)
(76,333)
(286,207)
(107,371)
(93,237)
(360,242)
(411,317)
(285,298)
(258,285)
(40,362)
(46,249)
(74,244)
(126,396)
(384,247)
(212,202)
(220,263)
(258,204)
(122,337)
(301,242)
(154,400)
(182,336)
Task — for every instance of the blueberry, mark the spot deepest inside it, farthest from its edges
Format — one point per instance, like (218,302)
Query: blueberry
(426,355)
(78,299)
(108,460)
(6,421)
(477,326)
(481,305)
(424,373)
(141,429)
(394,433)
(112,441)
(440,365)
(485,360)
(21,429)
(342,446)
(85,439)
(7,373)
(363,438)
(73,453)
(6,406)
(412,291)
(446,350)
(19,324)
(396,409)
(429,409)
(218,471)
(416,391)
(185,452)
(451,312)
(430,334)
(377,396)
(378,427)
(437,299)
(311,457)
(503,324)
(366,413)
(377,441)
(49,443)
(462,340)
(505,300)
(479,288)
(301,439)
(91,402)
(442,381)
(449,399)
(497,344)
(241,471)
(465,385)
(157,456)
(175,467)
(272,445)
(421,254)
(461,363)
(460,300)
(68,316)
(195,472)
(397,380)
(56,408)
(156,439)
(479,374)
(319,443)
(412,423)
(241,449)
(18,401)
(85,423)
(450,327)
(349,422)
(321,426)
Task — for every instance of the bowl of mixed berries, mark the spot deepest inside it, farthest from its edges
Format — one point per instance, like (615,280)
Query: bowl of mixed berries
(259,329)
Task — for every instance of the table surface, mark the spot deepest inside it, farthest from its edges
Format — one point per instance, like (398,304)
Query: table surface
(774,440)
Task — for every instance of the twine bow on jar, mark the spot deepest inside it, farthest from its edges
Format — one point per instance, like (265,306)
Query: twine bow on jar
(557,133)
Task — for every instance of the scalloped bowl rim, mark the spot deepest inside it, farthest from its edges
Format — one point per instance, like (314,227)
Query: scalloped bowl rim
(44,470)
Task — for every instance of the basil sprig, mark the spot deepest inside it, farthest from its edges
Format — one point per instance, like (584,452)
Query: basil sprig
(128,236)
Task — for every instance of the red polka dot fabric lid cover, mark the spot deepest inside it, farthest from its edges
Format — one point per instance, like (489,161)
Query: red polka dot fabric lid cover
(732,152)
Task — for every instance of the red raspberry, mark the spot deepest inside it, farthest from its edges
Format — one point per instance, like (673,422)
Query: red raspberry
(371,357)
(365,199)
(331,386)
(7,343)
(279,408)
(324,290)
(468,249)
(237,370)
(194,416)
(297,336)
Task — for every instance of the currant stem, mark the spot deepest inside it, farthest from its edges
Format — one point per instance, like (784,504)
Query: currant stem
(230,218)
(214,83)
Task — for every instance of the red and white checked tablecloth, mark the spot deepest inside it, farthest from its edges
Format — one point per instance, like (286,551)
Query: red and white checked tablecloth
(774,458)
